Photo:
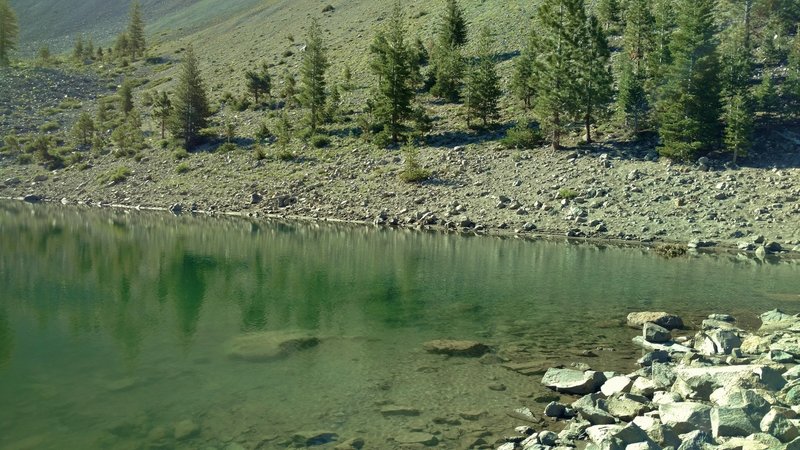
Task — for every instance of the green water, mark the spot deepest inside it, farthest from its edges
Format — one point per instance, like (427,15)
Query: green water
(116,326)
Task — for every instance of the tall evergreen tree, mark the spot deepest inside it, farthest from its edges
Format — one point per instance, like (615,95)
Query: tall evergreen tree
(289,90)
(454,25)
(125,97)
(9,30)
(483,83)
(448,72)
(77,48)
(608,12)
(312,76)
(259,82)
(736,62)
(559,24)
(664,21)
(792,85)
(136,38)
(689,108)
(190,110)
(162,108)
(595,81)
(523,79)
(738,116)
(632,104)
(392,62)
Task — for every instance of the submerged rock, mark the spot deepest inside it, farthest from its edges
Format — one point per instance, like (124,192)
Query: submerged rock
(269,345)
(456,348)
(573,381)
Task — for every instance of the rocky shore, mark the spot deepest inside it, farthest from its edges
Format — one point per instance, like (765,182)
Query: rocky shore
(600,192)
(723,388)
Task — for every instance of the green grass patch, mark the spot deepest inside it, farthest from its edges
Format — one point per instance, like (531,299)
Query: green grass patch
(116,176)
(182,168)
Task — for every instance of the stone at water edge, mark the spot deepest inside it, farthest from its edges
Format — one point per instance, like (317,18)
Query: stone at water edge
(415,437)
(685,417)
(666,320)
(615,385)
(395,411)
(456,348)
(573,381)
(655,333)
(269,345)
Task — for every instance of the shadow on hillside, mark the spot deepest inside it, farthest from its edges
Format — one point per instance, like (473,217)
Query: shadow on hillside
(458,138)
(776,145)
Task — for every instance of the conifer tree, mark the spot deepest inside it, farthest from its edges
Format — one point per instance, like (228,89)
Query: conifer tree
(190,110)
(523,79)
(448,72)
(689,109)
(312,76)
(483,84)
(559,27)
(126,97)
(88,49)
(122,45)
(259,82)
(392,62)
(595,81)
(632,102)
(77,48)
(84,129)
(9,30)
(738,117)
(136,38)
(736,61)
(454,25)
(162,107)
(289,91)
(608,13)
(664,21)
(791,88)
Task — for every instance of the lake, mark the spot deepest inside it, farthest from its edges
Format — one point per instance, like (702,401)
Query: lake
(117,327)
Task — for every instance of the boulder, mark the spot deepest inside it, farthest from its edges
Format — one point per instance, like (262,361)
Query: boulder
(695,440)
(777,320)
(655,333)
(644,386)
(415,437)
(668,321)
(555,410)
(615,385)
(269,345)
(595,415)
(627,406)
(700,382)
(573,381)
(456,348)
(185,429)
(754,344)
(717,341)
(776,424)
(657,432)
(313,438)
(685,417)
(669,347)
(399,411)
(730,422)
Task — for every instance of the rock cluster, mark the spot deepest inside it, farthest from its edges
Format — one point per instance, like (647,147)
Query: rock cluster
(724,388)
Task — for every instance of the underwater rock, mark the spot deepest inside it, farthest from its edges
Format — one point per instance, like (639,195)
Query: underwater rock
(456,348)
(269,345)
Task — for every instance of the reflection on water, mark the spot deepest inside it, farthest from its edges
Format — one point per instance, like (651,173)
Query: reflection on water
(116,327)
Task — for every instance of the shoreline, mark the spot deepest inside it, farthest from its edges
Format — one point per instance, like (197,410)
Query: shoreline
(717,249)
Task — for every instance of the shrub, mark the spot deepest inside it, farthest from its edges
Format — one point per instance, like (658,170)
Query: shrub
(180,154)
(523,135)
(567,194)
(413,172)
(49,127)
(115,176)
(227,147)
(259,153)
(320,141)
(24,158)
(328,8)
(182,168)
(263,132)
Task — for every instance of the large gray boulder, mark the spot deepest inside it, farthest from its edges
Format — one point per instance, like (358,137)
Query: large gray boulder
(718,342)
(657,431)
(777,320)
(666,320)
(731,422)
(776,423)
(269,345)
(573,381)
(700,382)
(456,348)
(655,333)
(695,440)
(627,406)
(615,385)
(669,347)
(685,417)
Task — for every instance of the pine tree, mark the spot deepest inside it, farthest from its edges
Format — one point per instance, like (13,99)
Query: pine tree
(523,79)
(791,88)
(312,76)
(84,129)
(9,30)
(125,97)
(639,41)
(608,12)
(136,38)
(392,63)
(483,85)
(689,109)
(735,60)
(766,94)
(632,102)
(122,45)
(738,117)
(448,72)
(289,91)
(259,82)
(557,69)
(190,106)
(595,78)
(664,22)
(454,27)
(77,48)
(88,49)
(162,107)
